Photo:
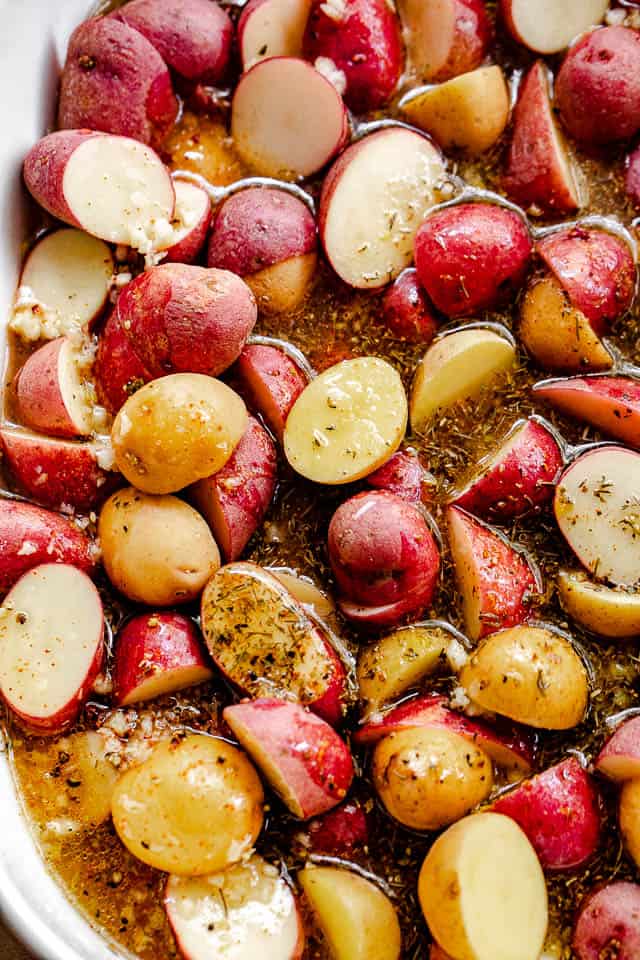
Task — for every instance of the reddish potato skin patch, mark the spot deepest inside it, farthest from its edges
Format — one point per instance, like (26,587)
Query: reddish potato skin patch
(406,311)
(608,924)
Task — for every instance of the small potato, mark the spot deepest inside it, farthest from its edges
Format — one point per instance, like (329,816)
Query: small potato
(531,675)
(607,924)
(605,610)
(177,430)
(156,550)
(194,807)
(630,817)
(406,311)
(428,778)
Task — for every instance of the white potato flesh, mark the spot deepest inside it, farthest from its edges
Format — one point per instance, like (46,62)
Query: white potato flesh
(274,28)
(306,593)
(483,892)
(456,368)
(347,422)
(597,506)
(287,120)
(51,632)
(549,26)
(119,190)
(358,920)
(371,212)
(607,611)
(73,388)
(69,272)
(192,205)
(245,913)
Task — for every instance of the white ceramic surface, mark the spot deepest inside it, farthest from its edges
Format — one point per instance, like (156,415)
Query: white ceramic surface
(33,36)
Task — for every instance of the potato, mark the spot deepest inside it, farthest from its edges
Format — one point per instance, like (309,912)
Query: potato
(156,550)
(117,370)
(347,422)
(428,777)
(630,817)
(270,382)
(483,893)
(607,611)
(192,808)
(177,430)
(531,675)
(406,311)
(608,923)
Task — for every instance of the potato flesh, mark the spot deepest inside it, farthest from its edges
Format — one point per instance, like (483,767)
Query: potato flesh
(399,661)
(306,593)
(483,892)
(358,921)
(550,25)
(274,29)
(630,817)
(347,422)
(605,610)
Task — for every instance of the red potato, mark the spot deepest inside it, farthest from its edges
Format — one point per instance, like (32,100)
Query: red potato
(115,81)
(597,512)
(362,40)
(472,256)
(549,27)
(302,757)
(191,222)
(445,38)
(30,536)
(518,478)
(115,188)
(271,134)
(619,758)
(609,923)
(234,501)
(596,270)
(268,237)
(497,582)
(341,831)
(507,747)
(383,554)
(632,176)
(193,37)
(406,312)
(270,382)
(46,688)
(186,319)
(373,201)
(404,476)
(157,654)
(560,811)
(271,28)
(58,473)
(117,370)
(598,86)
(612,404)
(51,393)
(539,174)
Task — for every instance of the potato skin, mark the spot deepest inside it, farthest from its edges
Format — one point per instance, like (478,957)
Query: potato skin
(406,311)
(115,81)
(177,430)
(607,924)
(117,370)
(630,817)
(156,550)
(44,168)
(531,675)
(428,778)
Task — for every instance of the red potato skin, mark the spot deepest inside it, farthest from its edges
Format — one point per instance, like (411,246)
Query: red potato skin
(406,312)
(234,501)
(404,476)
(366,45)
(115,81)
(55,539)
(598,86)
(151,644)
(473,37)
(38,393)
(188,249)
(193,37)
(341,831)
(608,924)
(520,481)
(472,256)
(331,705)
(44,168)
(560,812)
(632,176)
(258,228)
(596,270)
(186,319)
(382,552)
(612,404)
(533,178)
(270,382)
(624,743)
(117,370)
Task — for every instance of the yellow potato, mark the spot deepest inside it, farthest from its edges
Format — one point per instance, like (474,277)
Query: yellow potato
(467,113)
(483,892)
(630,817)
(283,286)
(531,675)
(347,422)
(556,335)
(194,807)
(306,593)
(156,550)
(456,368)
(605,610)
(176,430)
(428,777)
(358,921)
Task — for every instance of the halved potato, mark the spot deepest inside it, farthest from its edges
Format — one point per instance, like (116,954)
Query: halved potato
(605,610)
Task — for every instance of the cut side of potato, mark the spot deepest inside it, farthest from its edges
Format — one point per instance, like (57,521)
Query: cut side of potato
(483,892)
(550,25)
(347,422)
(604,610)
(456,368)
(272,28)
(357,919)
(305,592)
